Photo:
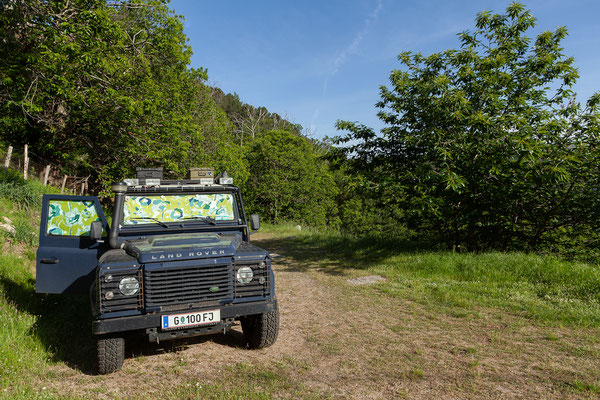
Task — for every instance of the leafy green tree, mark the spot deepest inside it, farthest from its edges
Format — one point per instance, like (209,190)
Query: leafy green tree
(486,144)
(289,181)
(358,211)
(100,88)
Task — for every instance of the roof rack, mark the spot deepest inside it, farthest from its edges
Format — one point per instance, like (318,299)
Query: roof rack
(150,177)
(179,186)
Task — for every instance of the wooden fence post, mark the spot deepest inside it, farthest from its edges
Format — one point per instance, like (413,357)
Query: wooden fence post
(8,155)
(46,172)
(25,163)
(62,187)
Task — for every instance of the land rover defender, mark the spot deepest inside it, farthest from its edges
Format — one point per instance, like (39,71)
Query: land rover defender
(176,262)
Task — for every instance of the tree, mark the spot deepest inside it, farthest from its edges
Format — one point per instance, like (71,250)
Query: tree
(249,120)
(486,144)
(288,180)
(100,88)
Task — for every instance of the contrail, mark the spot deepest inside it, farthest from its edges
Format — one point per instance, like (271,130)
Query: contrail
(352,48)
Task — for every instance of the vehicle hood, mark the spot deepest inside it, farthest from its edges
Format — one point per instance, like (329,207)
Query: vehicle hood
(185,246)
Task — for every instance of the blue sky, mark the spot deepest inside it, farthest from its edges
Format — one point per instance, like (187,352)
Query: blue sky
(319,61)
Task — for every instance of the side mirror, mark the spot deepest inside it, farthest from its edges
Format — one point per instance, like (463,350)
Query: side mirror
(254,222)
(96,231)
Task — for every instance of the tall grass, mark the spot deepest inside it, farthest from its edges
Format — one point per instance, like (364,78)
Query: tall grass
(24,194)
(20,349)
(34,329)
(545,288)
(541,287)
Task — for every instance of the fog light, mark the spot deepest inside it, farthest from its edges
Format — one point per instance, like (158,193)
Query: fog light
(129,286)
(262,264)
(108,278)
(109,295)
(261,280)
(244,275)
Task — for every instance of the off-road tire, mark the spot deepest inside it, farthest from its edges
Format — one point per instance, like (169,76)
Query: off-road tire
(261,330)
(111,353)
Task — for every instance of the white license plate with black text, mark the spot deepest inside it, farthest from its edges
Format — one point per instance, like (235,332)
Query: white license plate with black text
(191,319)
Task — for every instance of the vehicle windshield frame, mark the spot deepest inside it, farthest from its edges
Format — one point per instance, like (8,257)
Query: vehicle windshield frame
(150,223)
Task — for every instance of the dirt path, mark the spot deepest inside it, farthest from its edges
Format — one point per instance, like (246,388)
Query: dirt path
(343,341)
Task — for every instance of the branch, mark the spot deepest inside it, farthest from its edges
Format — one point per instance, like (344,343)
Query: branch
(134,6)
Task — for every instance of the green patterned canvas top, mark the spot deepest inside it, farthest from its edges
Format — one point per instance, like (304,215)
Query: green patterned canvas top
(71,218)
(175,207)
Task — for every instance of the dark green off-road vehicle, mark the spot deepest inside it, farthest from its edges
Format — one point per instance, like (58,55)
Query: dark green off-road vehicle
(176,262)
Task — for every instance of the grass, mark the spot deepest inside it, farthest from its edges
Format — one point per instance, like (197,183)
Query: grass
(20,202)
(248,381)
(24,194)
(540,287)
(39,332)
(20,350)
(34,330)
(586,387)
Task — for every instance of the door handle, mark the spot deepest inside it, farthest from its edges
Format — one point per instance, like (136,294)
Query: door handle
(50,260)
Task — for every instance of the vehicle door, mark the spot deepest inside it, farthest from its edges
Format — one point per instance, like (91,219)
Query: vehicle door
(67,256)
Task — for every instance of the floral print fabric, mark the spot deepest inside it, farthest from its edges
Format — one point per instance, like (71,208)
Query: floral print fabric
(71,218)
(170,208)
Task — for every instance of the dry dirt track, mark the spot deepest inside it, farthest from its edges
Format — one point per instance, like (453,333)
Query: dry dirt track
(337,341)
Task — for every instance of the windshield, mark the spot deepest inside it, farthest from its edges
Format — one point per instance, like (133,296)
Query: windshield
(150,209)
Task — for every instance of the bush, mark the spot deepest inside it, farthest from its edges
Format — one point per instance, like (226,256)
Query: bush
(23,196)
(11,176)
(25,233)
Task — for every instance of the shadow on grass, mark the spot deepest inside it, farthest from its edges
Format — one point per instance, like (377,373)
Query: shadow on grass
(333,254)
(63,325)
(64,328)
(138,344)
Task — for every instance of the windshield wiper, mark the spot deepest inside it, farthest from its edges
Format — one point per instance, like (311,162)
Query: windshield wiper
(158,221)
(203,219)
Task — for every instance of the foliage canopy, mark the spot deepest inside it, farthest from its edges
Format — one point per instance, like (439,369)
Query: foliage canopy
(102,88)
(289,181)
(486,144)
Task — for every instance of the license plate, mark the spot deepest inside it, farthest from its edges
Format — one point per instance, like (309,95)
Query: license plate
(191,319)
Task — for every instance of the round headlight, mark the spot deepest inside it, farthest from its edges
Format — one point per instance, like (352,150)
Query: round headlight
(129,286)
(244,275)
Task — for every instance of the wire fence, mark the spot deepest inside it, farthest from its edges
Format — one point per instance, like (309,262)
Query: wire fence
(32,165)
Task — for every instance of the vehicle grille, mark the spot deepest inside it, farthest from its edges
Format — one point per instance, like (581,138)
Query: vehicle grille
(118,302)
(254,288)
(187,285)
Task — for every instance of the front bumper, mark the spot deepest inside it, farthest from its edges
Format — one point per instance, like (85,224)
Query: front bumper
(122,324)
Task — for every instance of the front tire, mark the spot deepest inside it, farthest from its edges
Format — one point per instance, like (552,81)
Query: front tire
(111,353)
(261,330)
